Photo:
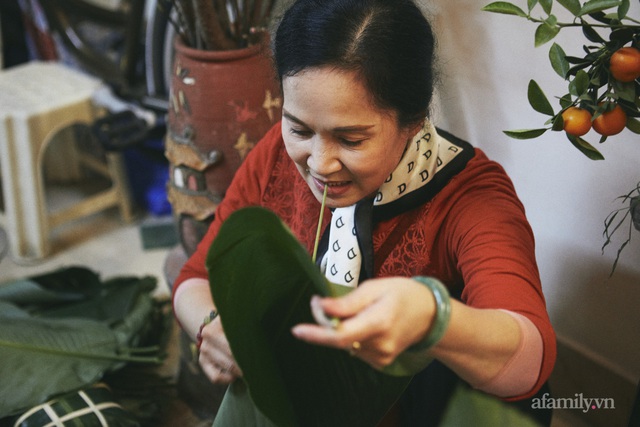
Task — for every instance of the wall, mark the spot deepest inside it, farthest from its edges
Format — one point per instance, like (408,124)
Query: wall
(486,62)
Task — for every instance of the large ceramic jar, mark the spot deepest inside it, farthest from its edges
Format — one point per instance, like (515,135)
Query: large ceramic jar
(221,104)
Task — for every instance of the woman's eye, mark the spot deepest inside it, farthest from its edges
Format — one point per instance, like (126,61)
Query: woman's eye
(300,132)
(350,142)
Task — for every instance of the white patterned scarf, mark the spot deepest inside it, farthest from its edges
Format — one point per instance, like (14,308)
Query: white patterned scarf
(426,166)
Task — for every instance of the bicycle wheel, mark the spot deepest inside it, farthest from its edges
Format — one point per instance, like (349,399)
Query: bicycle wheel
(159,50)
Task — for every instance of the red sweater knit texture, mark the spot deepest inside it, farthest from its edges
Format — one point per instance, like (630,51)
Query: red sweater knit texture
(473,235)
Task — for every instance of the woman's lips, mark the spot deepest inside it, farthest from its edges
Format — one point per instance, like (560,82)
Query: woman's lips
(334,188)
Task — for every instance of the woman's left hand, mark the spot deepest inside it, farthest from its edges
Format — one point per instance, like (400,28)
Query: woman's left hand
(378,320)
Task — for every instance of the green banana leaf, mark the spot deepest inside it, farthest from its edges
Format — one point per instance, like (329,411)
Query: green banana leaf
(48,350)
(57,287)
(36,362)
(262,281)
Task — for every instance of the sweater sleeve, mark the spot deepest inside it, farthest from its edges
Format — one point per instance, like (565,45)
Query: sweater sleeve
(520,374)
(246,189)
(493,249)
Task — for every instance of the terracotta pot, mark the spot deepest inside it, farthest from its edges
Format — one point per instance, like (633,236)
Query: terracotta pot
(221,104)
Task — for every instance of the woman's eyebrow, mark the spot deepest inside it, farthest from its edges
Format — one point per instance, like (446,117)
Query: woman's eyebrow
(354,128)
(293,118)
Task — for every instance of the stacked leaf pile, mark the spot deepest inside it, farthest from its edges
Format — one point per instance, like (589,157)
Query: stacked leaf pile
(64,331)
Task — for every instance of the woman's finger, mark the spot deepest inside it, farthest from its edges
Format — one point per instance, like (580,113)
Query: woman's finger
(216,374)
(352,303)
(361,327)
(376,317)
(368,356)
(219,366)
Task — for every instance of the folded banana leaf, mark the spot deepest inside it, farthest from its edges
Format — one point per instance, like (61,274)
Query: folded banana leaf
(80,408)
(57,287)
(262,280)
(66,338)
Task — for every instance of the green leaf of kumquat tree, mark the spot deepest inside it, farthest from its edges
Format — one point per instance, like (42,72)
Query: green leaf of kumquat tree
(623,9)
(633,125)
(572,6)
(546,6)
(538,99)
(505,8)
(558,123)
(598,6)
(525,133)
(587,149)
(558,60)
(580,84)
(545,33)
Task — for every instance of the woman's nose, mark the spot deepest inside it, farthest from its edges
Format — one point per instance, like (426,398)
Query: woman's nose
(323,158)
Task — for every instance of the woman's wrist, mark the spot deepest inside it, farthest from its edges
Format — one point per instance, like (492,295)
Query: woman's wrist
(195,347)
(416,357)
(208,319)
(191,301)
(442,314)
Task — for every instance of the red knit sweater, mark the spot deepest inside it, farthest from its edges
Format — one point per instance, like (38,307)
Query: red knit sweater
(473,235)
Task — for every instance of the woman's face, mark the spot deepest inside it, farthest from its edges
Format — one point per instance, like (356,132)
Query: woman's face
(336,136)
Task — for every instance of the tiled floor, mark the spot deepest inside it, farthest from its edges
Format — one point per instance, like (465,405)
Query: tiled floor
(102,243)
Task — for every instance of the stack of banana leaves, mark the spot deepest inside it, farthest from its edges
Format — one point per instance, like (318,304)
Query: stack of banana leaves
(63,334)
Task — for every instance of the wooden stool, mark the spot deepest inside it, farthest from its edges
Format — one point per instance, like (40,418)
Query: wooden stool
(37,100)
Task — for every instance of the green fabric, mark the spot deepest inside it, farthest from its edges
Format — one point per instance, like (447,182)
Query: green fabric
(469,407)
(237,409)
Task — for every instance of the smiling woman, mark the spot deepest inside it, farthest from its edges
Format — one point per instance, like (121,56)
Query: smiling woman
(337,137)
(405,201)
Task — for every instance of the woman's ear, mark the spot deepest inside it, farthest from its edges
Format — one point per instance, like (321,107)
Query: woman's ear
(413,129)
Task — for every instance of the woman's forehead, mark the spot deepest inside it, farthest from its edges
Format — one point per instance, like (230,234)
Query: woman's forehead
(328,90)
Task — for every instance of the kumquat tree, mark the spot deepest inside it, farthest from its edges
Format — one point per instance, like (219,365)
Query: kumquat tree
(603,85)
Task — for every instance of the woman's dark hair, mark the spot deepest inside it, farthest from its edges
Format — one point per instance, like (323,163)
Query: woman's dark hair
(388,42)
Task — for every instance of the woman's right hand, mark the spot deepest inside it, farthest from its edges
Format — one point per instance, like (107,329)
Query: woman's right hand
(191,300)
(215,356)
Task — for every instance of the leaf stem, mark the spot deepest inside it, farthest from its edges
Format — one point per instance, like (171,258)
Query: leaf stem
(315,246)
(580,24)
(59,352)
(142,350)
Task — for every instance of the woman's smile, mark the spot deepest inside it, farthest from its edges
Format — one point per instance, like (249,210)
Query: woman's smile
(334,188)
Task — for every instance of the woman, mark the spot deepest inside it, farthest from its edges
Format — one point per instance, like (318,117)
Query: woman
(357,80)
